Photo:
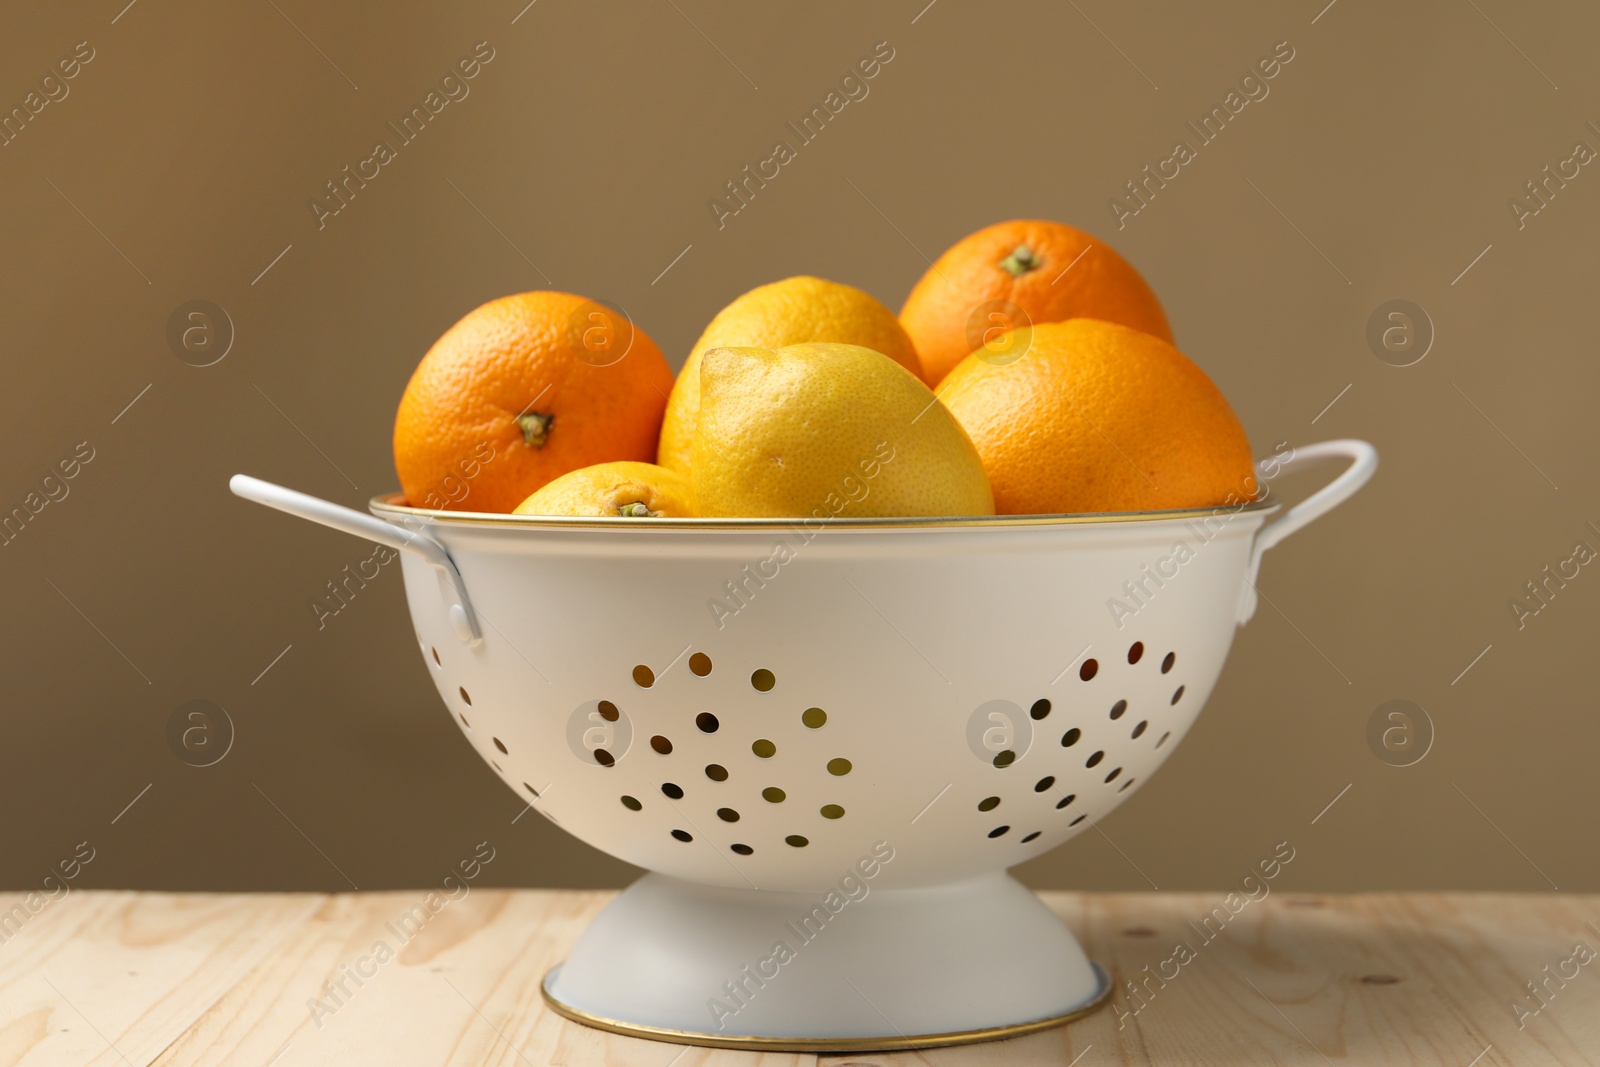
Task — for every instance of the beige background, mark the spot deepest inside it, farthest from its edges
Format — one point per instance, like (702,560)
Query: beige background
(187,152)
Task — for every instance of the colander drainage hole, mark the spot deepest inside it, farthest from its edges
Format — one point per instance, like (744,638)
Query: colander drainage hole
(1125,785)
(1070,738)
(661,744)
(1005,759)
(608,711)
(1166,664)
(1135,651)
(463,691)
(682,835)
(988,803)
(464,721)
(763,680)
(1089,669)
(773,795)
(832,811)
(643,676)
(707,722)
(743,850)
(1079,819)
(1118,708)
(814,718)
(796,841)
(673,791)
(727,815)
(700,664)
(632,803)
(716,772)
(501,745)
(839,767)
(1040,709)
(1113,775)
(1031,836)
(604,758)
(436,658)
(1044,783)
(1163,738)
(1137,730)
(999,831)
(1094,759)
(530,788)
(764,748)
(1064,801)
(1178,695)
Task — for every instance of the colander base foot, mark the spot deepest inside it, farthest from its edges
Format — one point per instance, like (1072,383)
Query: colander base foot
(890,1043)
(975,961)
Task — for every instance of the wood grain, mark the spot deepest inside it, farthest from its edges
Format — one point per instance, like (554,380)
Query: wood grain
(107,978)
(287,979)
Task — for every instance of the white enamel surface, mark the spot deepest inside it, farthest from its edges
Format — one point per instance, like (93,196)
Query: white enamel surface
(907,638)
(698,959)
(898,634)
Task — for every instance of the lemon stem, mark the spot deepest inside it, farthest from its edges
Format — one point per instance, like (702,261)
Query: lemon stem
(1021,261)
(637,510)
(535,428)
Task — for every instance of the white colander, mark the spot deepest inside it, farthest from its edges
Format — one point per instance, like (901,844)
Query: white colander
(831,739)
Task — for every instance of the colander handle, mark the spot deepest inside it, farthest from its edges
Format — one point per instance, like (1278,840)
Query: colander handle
(1363,463)
(462,618)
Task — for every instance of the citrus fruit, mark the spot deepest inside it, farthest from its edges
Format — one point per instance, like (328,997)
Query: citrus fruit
(1021,273)
(825,431)
(1095,416)
(789,312)
(624,489)
(520,391)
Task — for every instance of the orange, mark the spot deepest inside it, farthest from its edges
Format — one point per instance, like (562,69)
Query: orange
(1021,273)
(1094,417)
(521,391)
(793,311)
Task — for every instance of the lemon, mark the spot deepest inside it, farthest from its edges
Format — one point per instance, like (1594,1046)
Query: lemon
(624,489)
(789,312)
(826,431)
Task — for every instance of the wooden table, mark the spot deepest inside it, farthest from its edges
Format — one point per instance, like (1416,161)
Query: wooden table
(107,978)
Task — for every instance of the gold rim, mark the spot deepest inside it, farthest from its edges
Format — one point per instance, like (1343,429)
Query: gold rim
(827,1044)
(389,505)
